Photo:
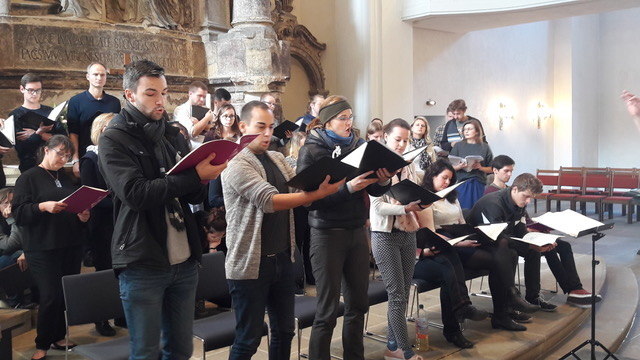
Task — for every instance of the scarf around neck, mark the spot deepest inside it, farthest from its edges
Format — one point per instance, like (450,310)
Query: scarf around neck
(154,131)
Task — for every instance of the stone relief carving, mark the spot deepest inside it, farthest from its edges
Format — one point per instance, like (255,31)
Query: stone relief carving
(304,46)
(87,9)
(168,14)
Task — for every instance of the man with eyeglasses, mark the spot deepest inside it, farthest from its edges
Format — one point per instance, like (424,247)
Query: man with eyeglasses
(29,140)
(182,114)
(83,109)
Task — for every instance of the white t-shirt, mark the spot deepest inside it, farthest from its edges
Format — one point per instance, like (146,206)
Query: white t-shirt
(182,114)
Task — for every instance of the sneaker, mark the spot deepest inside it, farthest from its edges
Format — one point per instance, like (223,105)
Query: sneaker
(519,317)
(544,306)
(581,297)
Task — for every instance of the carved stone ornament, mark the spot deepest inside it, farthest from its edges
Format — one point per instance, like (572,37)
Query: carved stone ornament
(304,46)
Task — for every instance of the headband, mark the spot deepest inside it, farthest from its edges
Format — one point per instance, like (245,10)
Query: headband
(330,111)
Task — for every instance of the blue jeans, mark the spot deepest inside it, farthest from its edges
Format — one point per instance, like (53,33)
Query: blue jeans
(8,260)
(160,301)
(274,289)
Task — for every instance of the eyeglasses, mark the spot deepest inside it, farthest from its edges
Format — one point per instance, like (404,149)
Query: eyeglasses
(228,116)
(34,91)
(345,118)
(59,153)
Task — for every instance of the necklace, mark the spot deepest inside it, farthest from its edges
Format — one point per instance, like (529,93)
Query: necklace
(55,179)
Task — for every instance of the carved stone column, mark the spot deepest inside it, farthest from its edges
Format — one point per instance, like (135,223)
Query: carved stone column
(215,19)
(249,60)
(5,5)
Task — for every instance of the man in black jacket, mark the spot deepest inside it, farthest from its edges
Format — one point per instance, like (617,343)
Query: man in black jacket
(155,247)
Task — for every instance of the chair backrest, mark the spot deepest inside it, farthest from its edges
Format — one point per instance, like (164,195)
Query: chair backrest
(13,280)
(596,179)
(92,297)
(624,179)
(212,280)
(548,177)
(570,179)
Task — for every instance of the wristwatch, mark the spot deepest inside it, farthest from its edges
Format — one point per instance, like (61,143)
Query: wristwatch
(74,162)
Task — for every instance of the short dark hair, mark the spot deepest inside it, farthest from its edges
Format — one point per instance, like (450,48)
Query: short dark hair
(527,181)
(501,161)
(198,85)
(434,170)
(398,122)
(29,78)
(54,141)
(247,109)
(457,104)
(221,94)
(137,69)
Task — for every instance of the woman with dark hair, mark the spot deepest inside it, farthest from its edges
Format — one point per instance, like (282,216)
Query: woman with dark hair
(498,258)
(339,247)
(475,174)
(444,266)
(52,237)
(226,125)
(393,242)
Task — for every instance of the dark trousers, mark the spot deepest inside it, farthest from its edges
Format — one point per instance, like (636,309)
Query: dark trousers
(501,261)
(274,289)
(339,256)
(563,266)
(48,267)
(303,239)
(446,269)
(531,268)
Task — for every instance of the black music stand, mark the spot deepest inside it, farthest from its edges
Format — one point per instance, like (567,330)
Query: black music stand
(595,236)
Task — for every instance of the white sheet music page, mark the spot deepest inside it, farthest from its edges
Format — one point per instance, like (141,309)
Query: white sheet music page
(538,238)
(568,222)
(492,230)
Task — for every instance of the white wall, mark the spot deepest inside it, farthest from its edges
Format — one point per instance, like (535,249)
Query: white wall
(485,68)
(619,143)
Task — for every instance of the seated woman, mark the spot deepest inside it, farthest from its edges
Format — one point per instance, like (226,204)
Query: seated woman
(476,177)
(393,242)
(52,238)
(498,258)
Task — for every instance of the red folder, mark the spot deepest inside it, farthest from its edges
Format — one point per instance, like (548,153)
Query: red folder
(84,198)
(224,149)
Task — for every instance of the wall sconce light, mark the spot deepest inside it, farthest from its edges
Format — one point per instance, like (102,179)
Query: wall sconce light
(504,113)
(430,102)
(543,113)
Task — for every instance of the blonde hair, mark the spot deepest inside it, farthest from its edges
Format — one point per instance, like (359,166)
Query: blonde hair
(427,129)
(293,147)
(99,123)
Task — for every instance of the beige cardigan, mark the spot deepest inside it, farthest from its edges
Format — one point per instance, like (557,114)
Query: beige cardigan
(247,197)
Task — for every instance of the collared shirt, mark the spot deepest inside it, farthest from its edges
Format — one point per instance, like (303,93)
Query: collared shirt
(182,114)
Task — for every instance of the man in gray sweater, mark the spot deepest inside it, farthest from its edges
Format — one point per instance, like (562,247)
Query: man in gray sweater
(260,237)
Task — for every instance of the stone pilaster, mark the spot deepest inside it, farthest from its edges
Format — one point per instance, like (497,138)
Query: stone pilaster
(249,60)
(5,5)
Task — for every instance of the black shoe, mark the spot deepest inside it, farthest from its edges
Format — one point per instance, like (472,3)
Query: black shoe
(518,303)
(505,322)
(104,328)
(459,340)
(120,322)
(472,313)
(57,346)
(519,317)
(544,306)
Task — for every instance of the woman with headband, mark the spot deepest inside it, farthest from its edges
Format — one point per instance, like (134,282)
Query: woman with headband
(339,248)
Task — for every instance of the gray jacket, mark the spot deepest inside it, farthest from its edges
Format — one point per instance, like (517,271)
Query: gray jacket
(11,243)
(247,197)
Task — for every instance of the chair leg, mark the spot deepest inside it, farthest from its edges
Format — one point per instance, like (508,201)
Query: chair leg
(583,208)
(630,214)
(535,206)
(548,204)
(557,205)
(600,211)
(610,209)
(624,210)
(637,212)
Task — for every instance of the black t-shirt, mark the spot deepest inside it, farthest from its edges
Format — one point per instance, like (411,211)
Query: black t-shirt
(275,226)
(82,111)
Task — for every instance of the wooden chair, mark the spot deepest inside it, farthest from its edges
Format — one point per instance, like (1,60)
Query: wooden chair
(548,178)
(570,183)
(595,188)
(621,182)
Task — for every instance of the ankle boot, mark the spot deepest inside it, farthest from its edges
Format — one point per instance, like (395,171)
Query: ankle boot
(518,303)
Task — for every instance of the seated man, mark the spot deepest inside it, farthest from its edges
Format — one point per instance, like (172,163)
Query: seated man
(11,246)
(509,205)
